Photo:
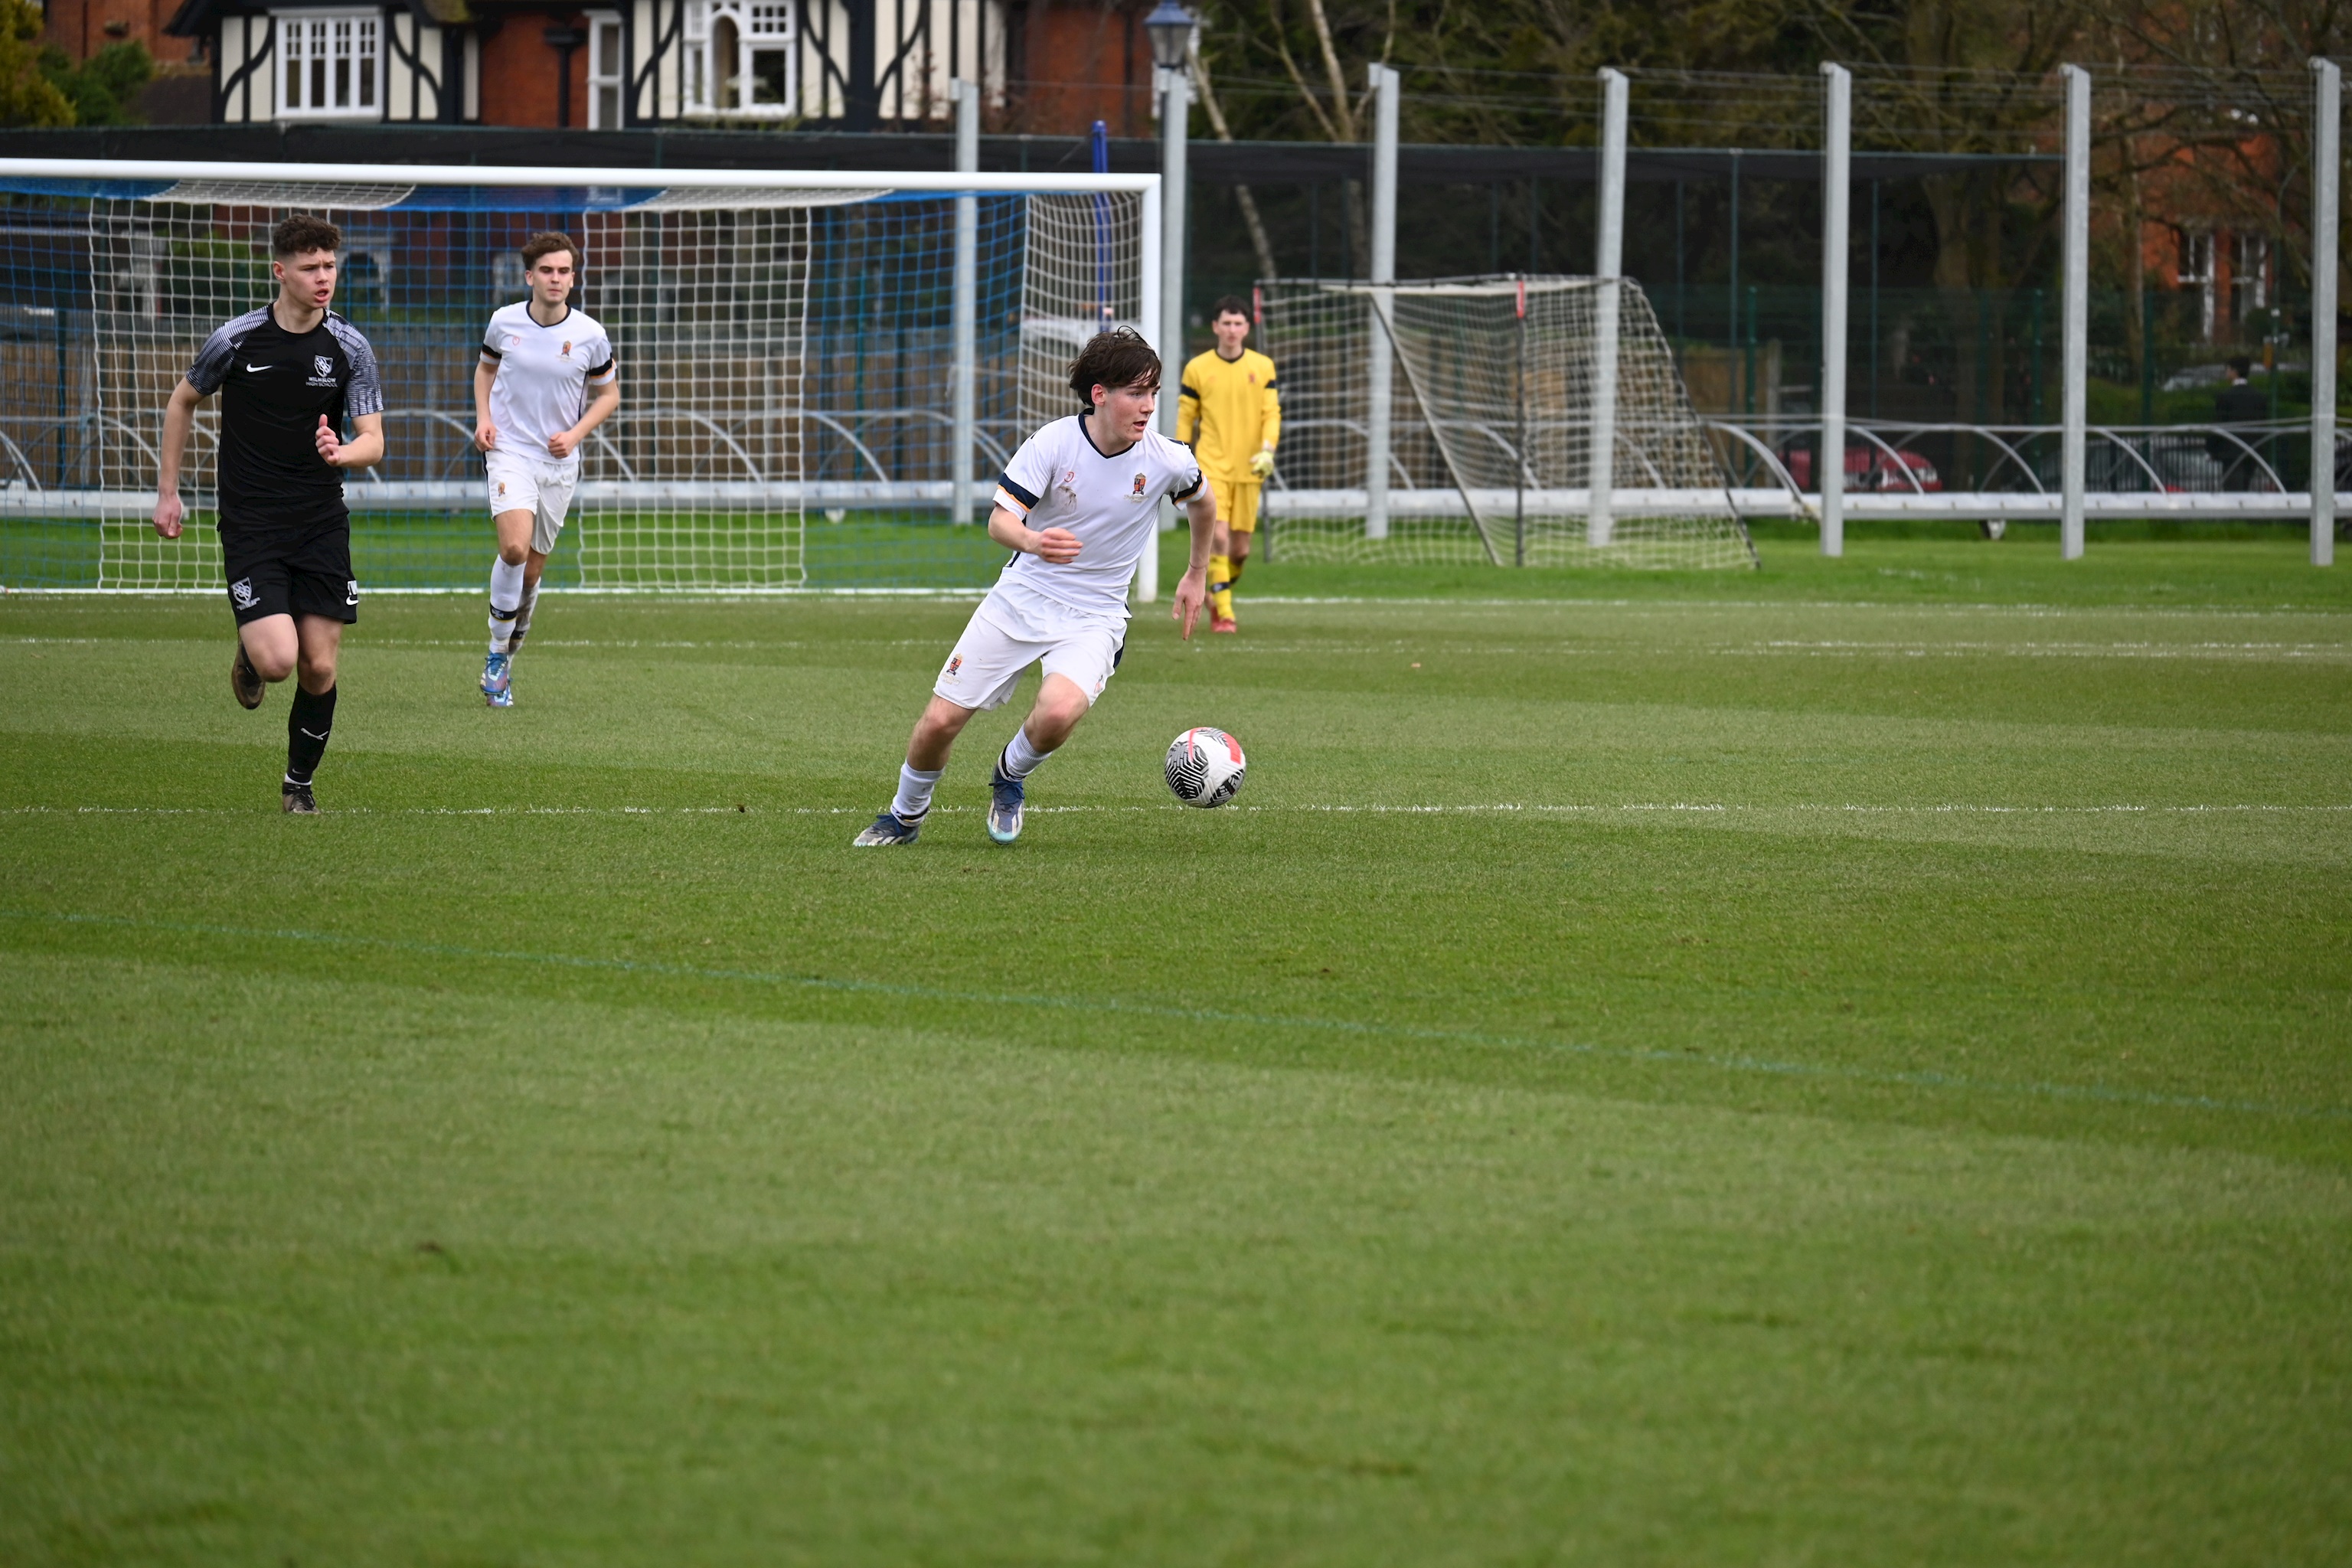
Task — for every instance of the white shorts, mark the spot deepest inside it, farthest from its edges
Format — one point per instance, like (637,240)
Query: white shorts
(999,643)
(543,488)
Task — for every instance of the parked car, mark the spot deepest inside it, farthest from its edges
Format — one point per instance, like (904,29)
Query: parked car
(2183,460)
(1867,467)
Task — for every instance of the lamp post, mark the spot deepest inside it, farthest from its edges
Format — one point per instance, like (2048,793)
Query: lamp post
(1171,28)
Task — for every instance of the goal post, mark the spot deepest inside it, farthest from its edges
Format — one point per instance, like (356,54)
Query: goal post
(1493,421)
(787,343)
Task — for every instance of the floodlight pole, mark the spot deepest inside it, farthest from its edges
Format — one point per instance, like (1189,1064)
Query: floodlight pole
(1379,382)
(1147,571)
(2076,392)
(967,302)
(1608,263)
(2326,166)
(1175,115)
(1175,111)
(1837,162)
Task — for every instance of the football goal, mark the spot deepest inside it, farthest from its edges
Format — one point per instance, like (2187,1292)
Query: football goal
(788,345)
(1510,432)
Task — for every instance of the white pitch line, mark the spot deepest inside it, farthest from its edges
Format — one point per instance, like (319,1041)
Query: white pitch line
(1717,808)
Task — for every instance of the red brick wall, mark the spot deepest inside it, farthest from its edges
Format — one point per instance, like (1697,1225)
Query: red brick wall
(518,74)
(1084,63)
(78,26)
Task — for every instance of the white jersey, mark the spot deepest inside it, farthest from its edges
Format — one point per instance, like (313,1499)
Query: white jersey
(1060,478)
(543,375)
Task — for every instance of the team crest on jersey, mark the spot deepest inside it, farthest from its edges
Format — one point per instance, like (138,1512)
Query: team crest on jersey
(326,366)
(567,349)
(953,665)
(502,486)
(1139,484)
(241,593)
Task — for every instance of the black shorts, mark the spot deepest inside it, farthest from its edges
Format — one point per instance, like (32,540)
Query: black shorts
(306,573)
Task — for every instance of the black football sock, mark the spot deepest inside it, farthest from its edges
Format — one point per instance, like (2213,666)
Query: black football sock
(307,724)
(522,615)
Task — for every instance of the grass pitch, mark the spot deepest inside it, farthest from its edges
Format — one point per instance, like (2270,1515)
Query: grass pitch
(1848,1063)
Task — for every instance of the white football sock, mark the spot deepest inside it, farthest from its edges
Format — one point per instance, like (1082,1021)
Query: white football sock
(914,788)
(506,597)
(1021,758)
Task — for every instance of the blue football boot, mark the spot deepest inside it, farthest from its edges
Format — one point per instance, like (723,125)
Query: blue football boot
(496,684)
(887,829)
(1006,799)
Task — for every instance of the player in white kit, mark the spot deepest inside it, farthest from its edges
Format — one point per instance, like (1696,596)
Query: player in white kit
(545,380)
(1080,504)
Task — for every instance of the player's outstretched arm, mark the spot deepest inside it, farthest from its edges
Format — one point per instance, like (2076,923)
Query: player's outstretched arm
(1192,588)
(485,435)
(563,443)
(179,413)
(1058,545)
(1269,430)
(364,450)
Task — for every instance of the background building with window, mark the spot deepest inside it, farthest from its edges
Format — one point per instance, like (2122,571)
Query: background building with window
(1047,65)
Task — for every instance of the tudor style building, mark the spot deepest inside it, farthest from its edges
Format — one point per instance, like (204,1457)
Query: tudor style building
(853,64)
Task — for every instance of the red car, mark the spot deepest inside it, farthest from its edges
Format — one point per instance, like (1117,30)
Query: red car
(1866,469)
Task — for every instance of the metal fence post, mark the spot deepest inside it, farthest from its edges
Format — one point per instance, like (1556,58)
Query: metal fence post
(1837,149)
(960,490)
(2073,390)
(1608,262)
(1380,380)
(2326,122)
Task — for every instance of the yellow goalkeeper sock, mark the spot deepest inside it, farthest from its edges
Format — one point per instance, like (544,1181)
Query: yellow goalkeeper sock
(1221,596)
(1236,565)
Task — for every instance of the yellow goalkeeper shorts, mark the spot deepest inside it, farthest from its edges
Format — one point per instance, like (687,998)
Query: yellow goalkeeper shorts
(1236,503)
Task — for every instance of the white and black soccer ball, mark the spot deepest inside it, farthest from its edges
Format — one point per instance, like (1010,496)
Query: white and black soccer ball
(1206,767)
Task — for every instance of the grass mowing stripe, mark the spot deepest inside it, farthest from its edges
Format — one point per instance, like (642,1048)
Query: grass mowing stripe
(2088,1093)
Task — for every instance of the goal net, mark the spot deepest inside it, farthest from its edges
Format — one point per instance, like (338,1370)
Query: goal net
(786,358)
(1500,409)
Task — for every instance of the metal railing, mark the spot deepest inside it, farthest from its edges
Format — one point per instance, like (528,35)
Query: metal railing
(65,479)
(2172,470)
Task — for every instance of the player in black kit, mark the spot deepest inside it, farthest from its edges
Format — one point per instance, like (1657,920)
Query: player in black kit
(289,374)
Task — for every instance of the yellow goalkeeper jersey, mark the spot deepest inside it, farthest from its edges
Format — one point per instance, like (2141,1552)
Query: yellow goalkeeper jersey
(1229,411)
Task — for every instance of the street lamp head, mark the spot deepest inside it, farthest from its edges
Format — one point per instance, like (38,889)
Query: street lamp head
(1171,28)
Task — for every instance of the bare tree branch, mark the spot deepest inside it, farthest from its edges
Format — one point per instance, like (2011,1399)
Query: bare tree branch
(1258,241)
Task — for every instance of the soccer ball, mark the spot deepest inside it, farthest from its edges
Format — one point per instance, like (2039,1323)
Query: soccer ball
(1206,767)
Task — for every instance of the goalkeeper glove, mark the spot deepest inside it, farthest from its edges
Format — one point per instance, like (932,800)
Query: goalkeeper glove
(1262,466)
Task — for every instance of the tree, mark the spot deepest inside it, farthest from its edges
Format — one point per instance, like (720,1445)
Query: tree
(102,87)
(26,95)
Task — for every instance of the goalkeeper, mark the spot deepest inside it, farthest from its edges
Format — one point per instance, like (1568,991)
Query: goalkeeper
(1228,411)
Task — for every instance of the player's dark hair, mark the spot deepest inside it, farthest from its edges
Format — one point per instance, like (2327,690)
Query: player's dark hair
(1118,358)
(1230,305)
(547,242)
(2240,366)
(301,234)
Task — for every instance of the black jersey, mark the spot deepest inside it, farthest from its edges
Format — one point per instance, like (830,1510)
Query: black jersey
(274,387)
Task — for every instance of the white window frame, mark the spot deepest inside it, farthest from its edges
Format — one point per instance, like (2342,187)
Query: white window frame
(608,73)
(2250,276)
(298,31)
(760,25)
(2197,265)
